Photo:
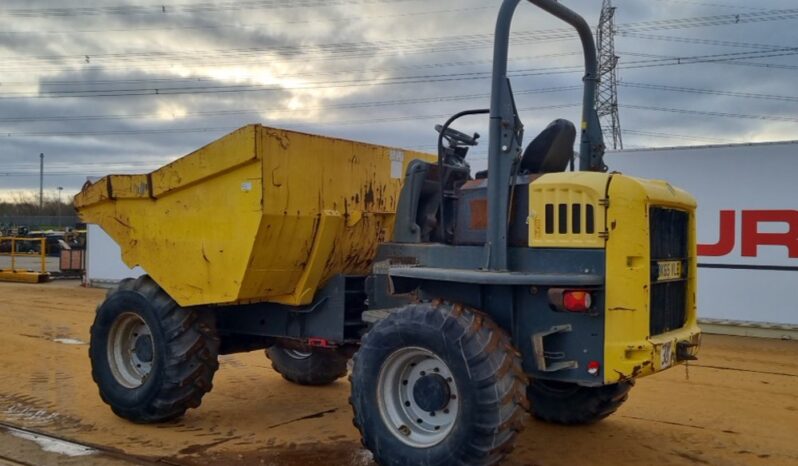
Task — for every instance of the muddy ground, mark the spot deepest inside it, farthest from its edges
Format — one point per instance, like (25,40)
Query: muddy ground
(737,405)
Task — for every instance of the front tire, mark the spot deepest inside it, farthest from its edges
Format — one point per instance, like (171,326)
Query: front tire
(437,384)
(308,366)
(151,359)
(571,404)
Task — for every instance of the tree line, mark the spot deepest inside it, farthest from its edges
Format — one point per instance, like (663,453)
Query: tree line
(27,203)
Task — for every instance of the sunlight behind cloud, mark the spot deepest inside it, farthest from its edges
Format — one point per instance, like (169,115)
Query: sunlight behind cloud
(170,111)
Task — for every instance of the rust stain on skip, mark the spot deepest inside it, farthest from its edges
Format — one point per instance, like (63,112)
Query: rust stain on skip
(280,136)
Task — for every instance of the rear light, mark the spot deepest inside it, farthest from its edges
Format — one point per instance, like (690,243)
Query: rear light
(576,301)
(593,367)
(320,342)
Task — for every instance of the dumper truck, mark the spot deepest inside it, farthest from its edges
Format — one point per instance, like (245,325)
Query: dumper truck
(463,300)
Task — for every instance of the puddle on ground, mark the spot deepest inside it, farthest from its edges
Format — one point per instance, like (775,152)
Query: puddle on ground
(340,453)
(52,444)
(69,341)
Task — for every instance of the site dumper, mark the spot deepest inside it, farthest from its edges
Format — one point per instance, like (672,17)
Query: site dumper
(464,299)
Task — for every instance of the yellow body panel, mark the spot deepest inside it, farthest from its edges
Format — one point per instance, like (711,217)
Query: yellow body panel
(629,351)
(555,189)
(621,210)
(261,214)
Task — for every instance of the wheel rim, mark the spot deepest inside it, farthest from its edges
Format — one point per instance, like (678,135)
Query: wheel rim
(130,350)
(297,354)
(419,421)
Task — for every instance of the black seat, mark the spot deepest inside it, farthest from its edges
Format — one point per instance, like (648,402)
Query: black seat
(549,152)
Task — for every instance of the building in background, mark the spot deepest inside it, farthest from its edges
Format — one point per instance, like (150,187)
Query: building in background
(104,266)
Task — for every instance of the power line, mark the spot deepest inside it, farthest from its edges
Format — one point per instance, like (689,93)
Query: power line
(293,75)
(338,49)
(384,120)
(343,105)
(164,9)
(396,80)
(716,20)
(259,58)
(196,90)
(738,61)
(713,5)
(714,114)
(691,90)
(366,121)
(724,58)
(482,39)
(692,40)
(397,102)
(680,136)
(258,26)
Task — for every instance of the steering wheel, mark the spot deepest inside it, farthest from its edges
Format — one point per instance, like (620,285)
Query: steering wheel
(454,136)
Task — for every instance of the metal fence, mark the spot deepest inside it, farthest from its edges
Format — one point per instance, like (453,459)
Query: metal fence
(22,255)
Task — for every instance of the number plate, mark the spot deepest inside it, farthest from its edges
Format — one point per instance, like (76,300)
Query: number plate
(669,270)
(666,355)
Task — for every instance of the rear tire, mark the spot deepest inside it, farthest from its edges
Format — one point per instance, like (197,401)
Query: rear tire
(437,385)
(151,359)
(308,366)
(571,404)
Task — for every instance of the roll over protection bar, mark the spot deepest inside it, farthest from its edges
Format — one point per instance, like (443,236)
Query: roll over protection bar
(506,130)
(591,150)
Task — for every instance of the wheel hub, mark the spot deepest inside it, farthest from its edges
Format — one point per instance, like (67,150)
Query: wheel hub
(143,348)
(130,350)
(432,393)
(418,397)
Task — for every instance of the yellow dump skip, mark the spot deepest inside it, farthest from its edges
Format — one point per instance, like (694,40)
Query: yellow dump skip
(260,214)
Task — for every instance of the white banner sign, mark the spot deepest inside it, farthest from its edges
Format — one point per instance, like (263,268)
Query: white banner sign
(747,223)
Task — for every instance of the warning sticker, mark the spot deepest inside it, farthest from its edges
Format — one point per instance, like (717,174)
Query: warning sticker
(397,162)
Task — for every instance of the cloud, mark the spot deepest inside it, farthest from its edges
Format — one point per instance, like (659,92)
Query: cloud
(379,71)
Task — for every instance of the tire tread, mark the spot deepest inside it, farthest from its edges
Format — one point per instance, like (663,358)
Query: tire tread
(190,364)
(489,355)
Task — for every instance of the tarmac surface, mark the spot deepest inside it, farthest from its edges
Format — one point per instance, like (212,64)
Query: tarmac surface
(737,405)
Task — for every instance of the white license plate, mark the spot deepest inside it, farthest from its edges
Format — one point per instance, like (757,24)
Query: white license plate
(666,355)
(669,270)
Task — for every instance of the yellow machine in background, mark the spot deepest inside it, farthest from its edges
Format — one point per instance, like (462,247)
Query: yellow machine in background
(23,267)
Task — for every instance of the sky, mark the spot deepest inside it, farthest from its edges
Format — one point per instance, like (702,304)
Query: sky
(105,87)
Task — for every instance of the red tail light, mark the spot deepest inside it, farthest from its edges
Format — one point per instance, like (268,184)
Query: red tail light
(576,301)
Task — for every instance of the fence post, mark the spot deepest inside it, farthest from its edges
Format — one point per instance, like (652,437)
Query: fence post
(44,254)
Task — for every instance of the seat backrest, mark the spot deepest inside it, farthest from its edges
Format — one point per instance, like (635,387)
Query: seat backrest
(551,150)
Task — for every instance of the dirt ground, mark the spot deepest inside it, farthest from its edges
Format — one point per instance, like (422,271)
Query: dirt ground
(737,405)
